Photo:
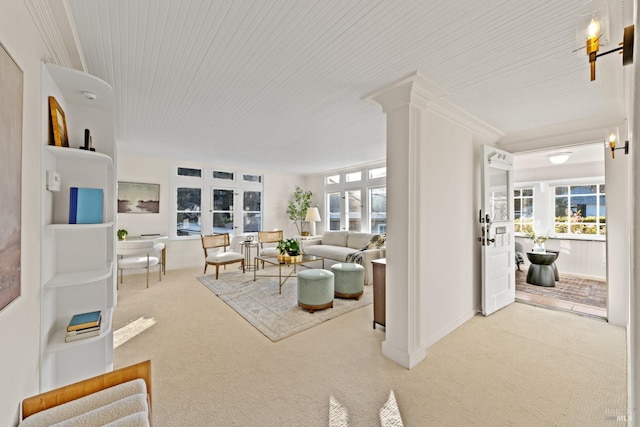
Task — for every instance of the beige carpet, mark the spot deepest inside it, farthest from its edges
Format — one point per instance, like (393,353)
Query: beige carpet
(276,315)
(522,366)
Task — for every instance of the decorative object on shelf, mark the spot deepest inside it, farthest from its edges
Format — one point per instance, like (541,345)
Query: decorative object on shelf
(11,85)
(122,234)
(593,44)
(288,248)
(88,145)
(538,241)
(60,138)
(297,209)
(136,197)
(85,205)
(312,217)
(249,238)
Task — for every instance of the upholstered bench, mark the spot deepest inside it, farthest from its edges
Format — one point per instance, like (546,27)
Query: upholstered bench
(117,398)
(315,289)
(348,280)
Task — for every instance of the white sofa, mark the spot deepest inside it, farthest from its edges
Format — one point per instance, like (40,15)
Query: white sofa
(337,245)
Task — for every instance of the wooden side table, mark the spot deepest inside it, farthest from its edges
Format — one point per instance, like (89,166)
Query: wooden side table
(379,286)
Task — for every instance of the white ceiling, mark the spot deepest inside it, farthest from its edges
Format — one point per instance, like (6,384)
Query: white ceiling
(278,84)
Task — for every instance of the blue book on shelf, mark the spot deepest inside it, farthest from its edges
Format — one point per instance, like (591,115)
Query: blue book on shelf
(85,205)
(84,320)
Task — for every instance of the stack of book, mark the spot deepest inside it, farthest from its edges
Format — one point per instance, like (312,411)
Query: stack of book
(83,325)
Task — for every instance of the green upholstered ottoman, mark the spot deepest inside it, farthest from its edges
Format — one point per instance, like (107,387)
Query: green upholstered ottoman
(315,289)
(348,281)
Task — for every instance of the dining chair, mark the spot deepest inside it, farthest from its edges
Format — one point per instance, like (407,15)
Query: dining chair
(137,254)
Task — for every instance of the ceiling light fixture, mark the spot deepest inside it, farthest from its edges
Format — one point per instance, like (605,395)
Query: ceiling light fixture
(89,95)
(593,45)
(559,158)
(612,145)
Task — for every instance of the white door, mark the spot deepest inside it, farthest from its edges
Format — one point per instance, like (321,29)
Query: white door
(497,235)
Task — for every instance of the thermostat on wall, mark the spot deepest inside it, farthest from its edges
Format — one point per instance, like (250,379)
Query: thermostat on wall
(53,181)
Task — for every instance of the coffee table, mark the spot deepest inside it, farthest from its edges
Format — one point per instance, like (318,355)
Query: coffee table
(273,260)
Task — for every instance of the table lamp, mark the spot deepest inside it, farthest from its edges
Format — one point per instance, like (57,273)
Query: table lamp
(312,217)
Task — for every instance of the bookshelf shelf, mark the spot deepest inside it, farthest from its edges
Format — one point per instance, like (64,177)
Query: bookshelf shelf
(78,260)
(79,277)
(57,344)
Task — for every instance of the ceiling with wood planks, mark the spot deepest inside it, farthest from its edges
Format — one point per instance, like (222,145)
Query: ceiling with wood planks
(279,84)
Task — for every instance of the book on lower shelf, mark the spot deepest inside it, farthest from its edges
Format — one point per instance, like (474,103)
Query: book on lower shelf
(78,335)
(85,320)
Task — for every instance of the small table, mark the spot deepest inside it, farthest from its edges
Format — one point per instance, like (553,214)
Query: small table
(246,250)
(541,271)
(273,260)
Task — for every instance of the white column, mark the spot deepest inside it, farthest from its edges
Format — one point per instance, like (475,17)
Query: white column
(404,103)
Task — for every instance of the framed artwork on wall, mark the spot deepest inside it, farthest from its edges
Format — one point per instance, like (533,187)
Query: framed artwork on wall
(60,137)
(136,197)
(11,81)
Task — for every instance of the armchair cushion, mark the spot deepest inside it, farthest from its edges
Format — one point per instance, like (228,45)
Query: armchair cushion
(224,257)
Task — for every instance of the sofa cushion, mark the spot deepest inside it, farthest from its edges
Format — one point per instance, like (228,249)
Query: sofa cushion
(358,241)
(337,253)
(335,238)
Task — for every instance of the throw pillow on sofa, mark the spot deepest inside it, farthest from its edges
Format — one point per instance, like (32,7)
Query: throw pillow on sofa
(376,242)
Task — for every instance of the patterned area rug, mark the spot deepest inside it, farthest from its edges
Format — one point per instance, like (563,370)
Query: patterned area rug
(569,288)
(276,315)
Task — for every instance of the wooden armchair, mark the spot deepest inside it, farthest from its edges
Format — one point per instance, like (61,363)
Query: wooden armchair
(224,257)
(271,238)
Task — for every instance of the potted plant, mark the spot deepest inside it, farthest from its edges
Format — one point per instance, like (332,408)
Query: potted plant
(122,234)
(297,209)
(538,240)
(288,248)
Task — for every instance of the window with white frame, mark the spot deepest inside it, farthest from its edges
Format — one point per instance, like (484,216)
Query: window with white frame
(580,209)
(232,201)
(356,199)
(523,209)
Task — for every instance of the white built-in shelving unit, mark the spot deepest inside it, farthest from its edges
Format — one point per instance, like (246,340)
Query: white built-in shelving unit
(78,260)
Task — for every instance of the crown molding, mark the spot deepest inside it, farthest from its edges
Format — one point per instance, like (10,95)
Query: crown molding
(562,135)
(418,90)
(55,28)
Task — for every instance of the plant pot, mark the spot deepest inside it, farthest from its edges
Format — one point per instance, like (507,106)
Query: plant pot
(538,247)
(304,233)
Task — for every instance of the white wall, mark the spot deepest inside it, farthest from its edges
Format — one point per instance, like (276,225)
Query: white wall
(449,206)
(183,253)
(20,321)
(586,258)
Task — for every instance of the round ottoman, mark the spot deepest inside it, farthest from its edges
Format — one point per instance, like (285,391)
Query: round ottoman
(349,280)
(315,289)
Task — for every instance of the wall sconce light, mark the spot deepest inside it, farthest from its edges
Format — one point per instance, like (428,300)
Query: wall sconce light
(612,145)
(559,158)
(593,45)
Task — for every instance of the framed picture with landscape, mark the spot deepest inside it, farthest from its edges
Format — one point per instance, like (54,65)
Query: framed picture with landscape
(136,197)
(11,86)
